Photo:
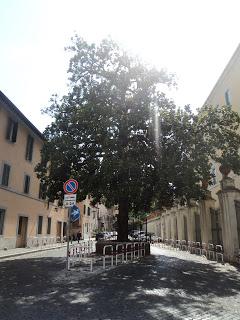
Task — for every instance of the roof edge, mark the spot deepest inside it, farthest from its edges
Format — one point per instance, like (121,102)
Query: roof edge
(11,107)
(227,67)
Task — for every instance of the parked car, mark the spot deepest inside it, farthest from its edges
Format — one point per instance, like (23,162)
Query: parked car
(134,233)
(100,236)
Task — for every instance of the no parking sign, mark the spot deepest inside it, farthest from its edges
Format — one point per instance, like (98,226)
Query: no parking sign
(70,186)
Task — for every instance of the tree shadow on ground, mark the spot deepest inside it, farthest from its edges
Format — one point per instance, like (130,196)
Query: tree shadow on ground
(157,287)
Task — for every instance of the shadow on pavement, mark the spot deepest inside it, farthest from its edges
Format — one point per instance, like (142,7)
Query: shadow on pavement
(158,287)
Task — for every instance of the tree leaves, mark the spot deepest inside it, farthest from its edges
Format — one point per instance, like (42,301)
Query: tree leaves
(120,137)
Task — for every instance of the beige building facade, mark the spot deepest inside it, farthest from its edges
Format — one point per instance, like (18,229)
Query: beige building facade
(215,220)
(93,219)
(26,218)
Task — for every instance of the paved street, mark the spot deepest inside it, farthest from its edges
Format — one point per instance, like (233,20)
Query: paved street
(165,285)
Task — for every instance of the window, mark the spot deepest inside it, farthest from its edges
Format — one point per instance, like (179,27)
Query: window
(84,209)
(5,175)
(49,222)
(12,128)
(88,211)
(29,148)
(2,216)
(42,191)
(227,98)
(26,184)
(40,221)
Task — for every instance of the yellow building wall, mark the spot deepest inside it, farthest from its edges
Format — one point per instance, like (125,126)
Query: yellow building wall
(228,81)
(12,198)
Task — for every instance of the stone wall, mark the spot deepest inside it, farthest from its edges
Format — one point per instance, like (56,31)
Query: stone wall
(207,221)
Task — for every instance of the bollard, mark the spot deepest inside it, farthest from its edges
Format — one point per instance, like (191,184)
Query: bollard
(91,265)
(128,245)
(121,246)
(135,244)
(110,255)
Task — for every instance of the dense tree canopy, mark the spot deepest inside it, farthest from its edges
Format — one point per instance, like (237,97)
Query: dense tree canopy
(124,141)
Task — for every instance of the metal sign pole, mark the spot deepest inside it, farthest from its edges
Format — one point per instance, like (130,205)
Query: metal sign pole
(68,234)
(70,187)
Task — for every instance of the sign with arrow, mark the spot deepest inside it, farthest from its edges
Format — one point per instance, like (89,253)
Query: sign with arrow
(75,213)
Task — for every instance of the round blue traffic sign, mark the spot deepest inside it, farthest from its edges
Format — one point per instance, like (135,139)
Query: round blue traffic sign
(70,186)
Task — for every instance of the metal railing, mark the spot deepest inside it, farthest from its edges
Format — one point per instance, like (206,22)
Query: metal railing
(85,251)
(210,251)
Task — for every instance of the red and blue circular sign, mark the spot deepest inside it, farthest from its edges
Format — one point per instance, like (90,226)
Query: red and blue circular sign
(70,186)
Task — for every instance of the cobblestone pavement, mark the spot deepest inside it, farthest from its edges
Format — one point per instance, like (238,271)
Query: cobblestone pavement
(166,285)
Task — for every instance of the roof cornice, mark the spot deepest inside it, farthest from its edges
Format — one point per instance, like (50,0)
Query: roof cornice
(12,108)
(228,67)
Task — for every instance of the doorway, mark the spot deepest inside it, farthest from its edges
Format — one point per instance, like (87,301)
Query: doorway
(22,232)
(59,230)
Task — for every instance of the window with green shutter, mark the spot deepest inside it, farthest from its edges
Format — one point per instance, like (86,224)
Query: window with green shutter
(5,174)
(29,148)
(42,191)
(227,98)
(49,222)
(12,129)
(40,222)
(26,184)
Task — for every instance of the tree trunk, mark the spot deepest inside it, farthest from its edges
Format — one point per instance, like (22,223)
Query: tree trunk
(123,220)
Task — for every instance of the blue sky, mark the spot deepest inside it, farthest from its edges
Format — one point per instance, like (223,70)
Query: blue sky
(194,39)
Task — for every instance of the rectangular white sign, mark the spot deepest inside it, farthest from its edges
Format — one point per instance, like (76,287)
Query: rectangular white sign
(69,200)
(70,197)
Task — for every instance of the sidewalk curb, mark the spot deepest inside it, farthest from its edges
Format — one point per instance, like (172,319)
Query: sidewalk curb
(28,252)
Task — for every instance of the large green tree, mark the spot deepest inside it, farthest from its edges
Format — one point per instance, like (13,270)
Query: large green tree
(125,143)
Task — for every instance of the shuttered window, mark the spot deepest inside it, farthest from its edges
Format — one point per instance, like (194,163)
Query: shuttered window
(227,98)
(12,129)
(42,191)
(5,174)
(29,148)
(49,223)
(40,222)
(26,184)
